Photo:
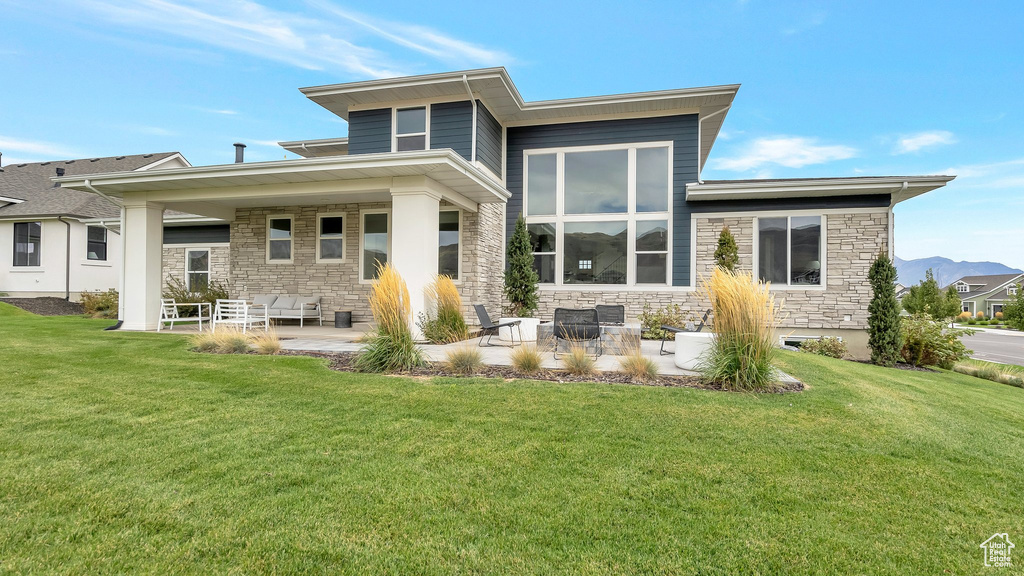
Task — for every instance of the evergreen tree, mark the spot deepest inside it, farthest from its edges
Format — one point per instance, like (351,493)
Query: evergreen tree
(520,279)
(884,313)
(727,254)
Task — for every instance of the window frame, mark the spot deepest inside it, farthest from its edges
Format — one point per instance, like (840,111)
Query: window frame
(631,216)
(822,249)
(362,227)
(344,237)
(1011,290)
(209,265)
(106,245)
(14,245)
(458,277)
(291,238)
(962,288)
(394,127)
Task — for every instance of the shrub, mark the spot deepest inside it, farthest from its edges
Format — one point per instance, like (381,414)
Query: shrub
(999,316)
(1013,310)
(100,304)
(526,359)
(928,343)
(993,322)
(883,313)
(727,254)
(265,342)
(746,316)
(638,366)
(827,346)
(447,324)
(980,315)
(210,292)
(465,360)
(971,322)
(391,346)
(652,320)
(578,362)
(520,286)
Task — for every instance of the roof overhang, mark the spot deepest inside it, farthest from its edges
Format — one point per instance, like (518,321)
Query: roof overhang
(317,148)
(494,87)
(899,188)
(216,191)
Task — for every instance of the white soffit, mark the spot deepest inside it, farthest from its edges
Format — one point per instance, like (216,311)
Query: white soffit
(317,148)
(900,187)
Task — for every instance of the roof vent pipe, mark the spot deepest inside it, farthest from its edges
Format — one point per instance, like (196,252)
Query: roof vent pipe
(60,172)
(239,152)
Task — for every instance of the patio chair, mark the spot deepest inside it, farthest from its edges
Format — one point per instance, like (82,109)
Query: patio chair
(489,328)
(577,325)
(170,313)
(240,313)
(673,330)
(611,313)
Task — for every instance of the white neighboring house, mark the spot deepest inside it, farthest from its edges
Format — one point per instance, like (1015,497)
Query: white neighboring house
(61,242)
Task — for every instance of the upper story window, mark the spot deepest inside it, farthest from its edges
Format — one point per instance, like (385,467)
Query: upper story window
(410,129)
(97,243)
(1012,290)
(789,250)
(27,241)
(600,215)
(961,287)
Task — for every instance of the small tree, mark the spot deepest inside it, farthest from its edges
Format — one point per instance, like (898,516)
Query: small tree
(949,306)
(1013,311)
(521,279)
(884,313)
(727,254)
(926,298)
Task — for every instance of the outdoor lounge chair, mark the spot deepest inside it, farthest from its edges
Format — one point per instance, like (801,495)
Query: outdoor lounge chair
(577,325)
(489,328)
(611,314)
(170,313)
(666,330)
(240,313)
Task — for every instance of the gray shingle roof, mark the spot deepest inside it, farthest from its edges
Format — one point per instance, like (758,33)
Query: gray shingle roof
(984,284)
(31,182)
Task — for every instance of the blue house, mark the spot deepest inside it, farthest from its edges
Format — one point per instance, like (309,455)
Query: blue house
(436,169)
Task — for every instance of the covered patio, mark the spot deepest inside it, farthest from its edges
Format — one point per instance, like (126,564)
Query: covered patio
(406,191)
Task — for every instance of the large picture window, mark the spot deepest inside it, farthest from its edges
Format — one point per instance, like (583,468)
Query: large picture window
(600,215)
(448,244)
(789,250)
(376,243)
(27,241)
(279,239)
(97,243)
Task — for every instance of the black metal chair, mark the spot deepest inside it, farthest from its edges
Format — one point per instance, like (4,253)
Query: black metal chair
(611,313)
(489,329)
(577,325)
(666,330)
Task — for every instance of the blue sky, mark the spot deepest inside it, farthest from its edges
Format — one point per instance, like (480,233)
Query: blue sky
(828,89)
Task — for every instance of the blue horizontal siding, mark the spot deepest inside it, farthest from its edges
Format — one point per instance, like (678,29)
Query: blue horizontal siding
(451,126)
(488,139)
(369,131)
(681,130)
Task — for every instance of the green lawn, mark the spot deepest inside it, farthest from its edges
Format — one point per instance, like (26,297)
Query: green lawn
(127,453)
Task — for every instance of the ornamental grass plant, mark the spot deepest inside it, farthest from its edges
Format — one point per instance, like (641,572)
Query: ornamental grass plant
(446,324)
(527,358)
(746,316)
(391,346)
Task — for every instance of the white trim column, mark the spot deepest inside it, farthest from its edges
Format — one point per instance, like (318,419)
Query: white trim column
(414,225)
(143,231)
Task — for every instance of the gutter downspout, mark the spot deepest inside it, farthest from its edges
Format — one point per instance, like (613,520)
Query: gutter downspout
(472,100)
(67,260)
(120,278)
(700,124)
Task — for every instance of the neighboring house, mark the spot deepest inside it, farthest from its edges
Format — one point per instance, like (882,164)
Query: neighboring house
(987,294)
(442,164)
(61,242)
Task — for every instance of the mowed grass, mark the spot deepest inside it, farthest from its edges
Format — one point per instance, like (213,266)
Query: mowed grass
(127,453)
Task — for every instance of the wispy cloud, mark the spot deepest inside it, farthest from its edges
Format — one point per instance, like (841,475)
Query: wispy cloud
(788,151)
(17,151)
(326,40)
(224,112)
(1004,174)
(914,142)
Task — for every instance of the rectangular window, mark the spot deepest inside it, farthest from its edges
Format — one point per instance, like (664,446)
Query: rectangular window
(789,250)
(600,214)
(27,241)
(330,238)
(963,288)
(279,239)
(1011,291)
(448,244)
(410,129)
(97,243)
(197,269)
(375,244)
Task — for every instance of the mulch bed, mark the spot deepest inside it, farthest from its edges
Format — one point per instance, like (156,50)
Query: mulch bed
(343,362)
(46,306)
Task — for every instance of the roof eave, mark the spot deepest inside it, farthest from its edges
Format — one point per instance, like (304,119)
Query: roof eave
(905,186)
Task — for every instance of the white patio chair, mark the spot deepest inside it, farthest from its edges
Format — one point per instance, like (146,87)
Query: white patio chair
(170,313)
(240,313)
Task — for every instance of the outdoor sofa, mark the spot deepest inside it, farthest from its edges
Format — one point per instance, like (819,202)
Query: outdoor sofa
(281,307)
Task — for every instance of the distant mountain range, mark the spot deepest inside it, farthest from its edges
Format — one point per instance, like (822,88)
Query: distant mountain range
(910,272)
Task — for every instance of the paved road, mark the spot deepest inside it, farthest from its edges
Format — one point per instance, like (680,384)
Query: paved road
(997,346)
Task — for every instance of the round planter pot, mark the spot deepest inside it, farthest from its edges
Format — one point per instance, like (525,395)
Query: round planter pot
(690,346)
(528,326)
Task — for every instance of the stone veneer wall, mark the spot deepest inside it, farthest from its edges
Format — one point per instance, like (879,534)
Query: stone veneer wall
(338,282)
(852,242)
(174,262)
